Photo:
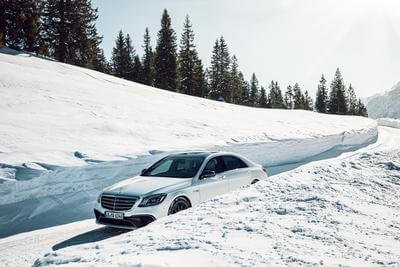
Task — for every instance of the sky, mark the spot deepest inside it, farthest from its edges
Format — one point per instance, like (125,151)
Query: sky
(282,40)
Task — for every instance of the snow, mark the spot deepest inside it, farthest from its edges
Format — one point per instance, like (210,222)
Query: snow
(385,105)
(340,211)
(58,114)
(389,122)
(68,132)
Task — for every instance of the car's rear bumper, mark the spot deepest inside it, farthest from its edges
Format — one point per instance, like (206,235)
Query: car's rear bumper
(128,222)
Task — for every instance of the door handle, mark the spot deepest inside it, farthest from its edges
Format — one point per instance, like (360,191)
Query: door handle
(195,191)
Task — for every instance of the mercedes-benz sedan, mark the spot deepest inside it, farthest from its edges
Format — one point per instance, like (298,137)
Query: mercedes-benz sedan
(174,183)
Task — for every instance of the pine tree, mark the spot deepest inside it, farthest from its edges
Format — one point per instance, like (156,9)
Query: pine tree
(214,73)
(275,99)
(254,88)
(56,25)
(187,59)
(165,60)
(69,31)
(289,102)
(220,76)
(129,57)
(245,91)
(3,7)
(308,102)
(225,62)
(298,97)
(361,110)
(148,68)
(137,70)
(337,99)
(236,84)
(200,82)
(20,24)
(100,63)
(263,100)
(351,101)
(120,64)
(321,101)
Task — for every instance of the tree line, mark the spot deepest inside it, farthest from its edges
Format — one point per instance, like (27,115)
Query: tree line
(61,29)
(66,30)
(341,99)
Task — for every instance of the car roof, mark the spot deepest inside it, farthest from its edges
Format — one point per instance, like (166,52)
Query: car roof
(194,153)
(202,153)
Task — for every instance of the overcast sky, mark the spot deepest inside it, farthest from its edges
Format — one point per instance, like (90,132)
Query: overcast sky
(284,40)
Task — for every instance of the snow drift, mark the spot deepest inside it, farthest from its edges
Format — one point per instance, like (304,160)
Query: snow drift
(389,122)
(338,213)
(385,105)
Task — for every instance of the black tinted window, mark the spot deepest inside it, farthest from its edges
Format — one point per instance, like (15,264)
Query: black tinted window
(232,163)
(215,165)
(176,166)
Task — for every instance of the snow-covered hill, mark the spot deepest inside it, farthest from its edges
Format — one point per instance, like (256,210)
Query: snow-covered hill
(385,105)
(67,132)
(58,114)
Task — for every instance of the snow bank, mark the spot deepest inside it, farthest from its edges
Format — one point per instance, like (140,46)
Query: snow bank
(385,105)
(340,212)
(389,122)
(67,132)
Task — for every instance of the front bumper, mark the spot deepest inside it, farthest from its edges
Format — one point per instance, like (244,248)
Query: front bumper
(135,217)
(129,222)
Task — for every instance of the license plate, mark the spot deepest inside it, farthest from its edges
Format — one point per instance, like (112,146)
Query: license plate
(114,215)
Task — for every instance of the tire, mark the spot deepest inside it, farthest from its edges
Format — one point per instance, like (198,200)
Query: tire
(179,204)
(254,181)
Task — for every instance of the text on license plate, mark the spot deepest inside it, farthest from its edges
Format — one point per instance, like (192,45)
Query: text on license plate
(114,215)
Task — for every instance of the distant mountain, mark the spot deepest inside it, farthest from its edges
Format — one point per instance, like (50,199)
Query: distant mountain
(385,105)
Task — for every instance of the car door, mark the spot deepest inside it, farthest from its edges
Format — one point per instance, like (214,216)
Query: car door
(237,172)
(216,185)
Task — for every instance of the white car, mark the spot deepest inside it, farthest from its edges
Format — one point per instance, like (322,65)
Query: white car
(174,183)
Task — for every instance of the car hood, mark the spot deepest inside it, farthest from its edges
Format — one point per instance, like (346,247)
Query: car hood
(138,186)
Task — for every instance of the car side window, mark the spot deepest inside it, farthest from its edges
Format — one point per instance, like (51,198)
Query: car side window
(233,163)
(215,164)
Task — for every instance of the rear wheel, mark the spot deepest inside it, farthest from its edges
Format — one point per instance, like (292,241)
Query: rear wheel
(179,204)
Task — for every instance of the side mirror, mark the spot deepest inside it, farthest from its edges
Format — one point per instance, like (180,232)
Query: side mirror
(207,174)
(143,171)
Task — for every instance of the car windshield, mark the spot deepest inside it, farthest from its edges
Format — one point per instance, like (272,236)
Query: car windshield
(177,166)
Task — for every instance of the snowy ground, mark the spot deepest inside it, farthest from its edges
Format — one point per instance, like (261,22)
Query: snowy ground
(342,210)
(389,122)
(67,132)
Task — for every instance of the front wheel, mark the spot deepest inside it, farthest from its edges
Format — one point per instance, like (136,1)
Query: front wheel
(179,204)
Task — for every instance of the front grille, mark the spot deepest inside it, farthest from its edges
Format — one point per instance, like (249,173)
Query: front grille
(118,203)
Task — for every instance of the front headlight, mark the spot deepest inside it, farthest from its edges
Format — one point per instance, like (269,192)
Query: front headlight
(152,200)
(99,199)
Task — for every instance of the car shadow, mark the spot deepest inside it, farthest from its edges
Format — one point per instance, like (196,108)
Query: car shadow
(95,235)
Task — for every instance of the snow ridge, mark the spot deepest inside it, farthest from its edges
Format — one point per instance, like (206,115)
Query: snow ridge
(389,122)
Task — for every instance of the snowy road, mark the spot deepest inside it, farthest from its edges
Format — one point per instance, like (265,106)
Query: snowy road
(23,249)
